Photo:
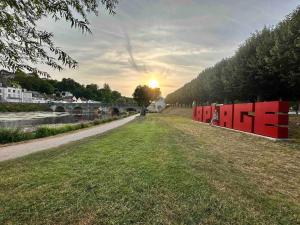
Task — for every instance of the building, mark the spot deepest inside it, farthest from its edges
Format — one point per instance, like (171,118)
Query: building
(37,97)
(157,106)
(18,95)
(66,94)
(10,94)
(27,96)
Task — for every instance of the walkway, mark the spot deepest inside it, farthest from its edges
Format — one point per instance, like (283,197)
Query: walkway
(25,148)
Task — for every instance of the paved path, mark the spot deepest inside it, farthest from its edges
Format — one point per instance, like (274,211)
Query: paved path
(21,149)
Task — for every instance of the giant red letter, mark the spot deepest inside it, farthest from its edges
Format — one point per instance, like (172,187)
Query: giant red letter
(207,114)
(199,114)
(271,119)
(226,116)
(242,120)
(195,113)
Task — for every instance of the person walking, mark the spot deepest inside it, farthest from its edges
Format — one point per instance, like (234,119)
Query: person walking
(215,117)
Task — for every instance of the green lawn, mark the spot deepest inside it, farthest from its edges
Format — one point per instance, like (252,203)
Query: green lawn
(165,169)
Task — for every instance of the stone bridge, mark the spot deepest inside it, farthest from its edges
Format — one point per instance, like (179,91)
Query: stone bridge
(90,108)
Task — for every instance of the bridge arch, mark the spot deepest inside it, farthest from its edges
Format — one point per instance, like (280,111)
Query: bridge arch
(114,111)
(60,109)
(77,110)
(130,109)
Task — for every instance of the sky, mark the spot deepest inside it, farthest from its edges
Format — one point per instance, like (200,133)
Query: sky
(170,41)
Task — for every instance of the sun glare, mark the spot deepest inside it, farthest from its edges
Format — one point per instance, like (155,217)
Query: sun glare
(153,84)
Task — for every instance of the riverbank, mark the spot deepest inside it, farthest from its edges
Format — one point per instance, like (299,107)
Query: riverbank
(16,135)
(23,107)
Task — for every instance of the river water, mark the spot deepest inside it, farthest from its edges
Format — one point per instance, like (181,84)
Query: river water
(31,119)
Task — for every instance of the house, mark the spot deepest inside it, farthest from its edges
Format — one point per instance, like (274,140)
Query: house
(38,98)
(66,94)
(10,94)
(157,106)
(26,96)
(15,94)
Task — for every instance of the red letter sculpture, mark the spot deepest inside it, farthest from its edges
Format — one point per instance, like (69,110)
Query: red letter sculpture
(195,113)
(207,114)
(199,114)
(242,120)
(271,119)
(226,116)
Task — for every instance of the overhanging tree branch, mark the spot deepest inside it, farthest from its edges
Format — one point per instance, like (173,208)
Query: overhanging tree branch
(22,45)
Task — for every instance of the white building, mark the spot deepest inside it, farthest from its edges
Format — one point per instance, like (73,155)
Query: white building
(66,94)
(157,106)
(26,96)
(10,94)
(18,95)
(37,97)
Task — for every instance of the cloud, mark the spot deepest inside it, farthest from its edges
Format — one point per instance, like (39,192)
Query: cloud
(169,40)
(132,60)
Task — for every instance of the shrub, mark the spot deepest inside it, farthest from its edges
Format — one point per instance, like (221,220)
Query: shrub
(14,135)
(23,107)
(50,131)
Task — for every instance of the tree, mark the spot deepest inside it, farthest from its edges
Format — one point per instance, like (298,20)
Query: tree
(143,95)
(105,93)
(264,68)
(22,44)
(91,91)
(33,82)
(115,96)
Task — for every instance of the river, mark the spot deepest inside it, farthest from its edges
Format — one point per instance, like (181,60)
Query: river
(30,119)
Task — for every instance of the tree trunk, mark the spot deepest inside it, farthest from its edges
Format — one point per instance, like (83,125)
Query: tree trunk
(143,111)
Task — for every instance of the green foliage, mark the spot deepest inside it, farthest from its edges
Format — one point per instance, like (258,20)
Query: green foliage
(265,67)
(23,107)
(14,135)
(50,131)
(22,44)
(46,131)
(33,82)
(47,86)
(143,95)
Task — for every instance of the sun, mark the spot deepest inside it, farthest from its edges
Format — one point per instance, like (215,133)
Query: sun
(153,84)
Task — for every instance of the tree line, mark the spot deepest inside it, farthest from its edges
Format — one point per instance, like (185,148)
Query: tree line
(265,67)
(54,88)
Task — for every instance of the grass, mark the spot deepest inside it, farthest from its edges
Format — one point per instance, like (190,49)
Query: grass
(164,169)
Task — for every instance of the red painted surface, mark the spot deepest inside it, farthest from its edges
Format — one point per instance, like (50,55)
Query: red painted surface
(226,116)
(269,121)
(271,118)
(195,113)
(207,114)
(199,114)
(242,120)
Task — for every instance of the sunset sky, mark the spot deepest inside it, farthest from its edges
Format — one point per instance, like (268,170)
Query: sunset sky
(170,41)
